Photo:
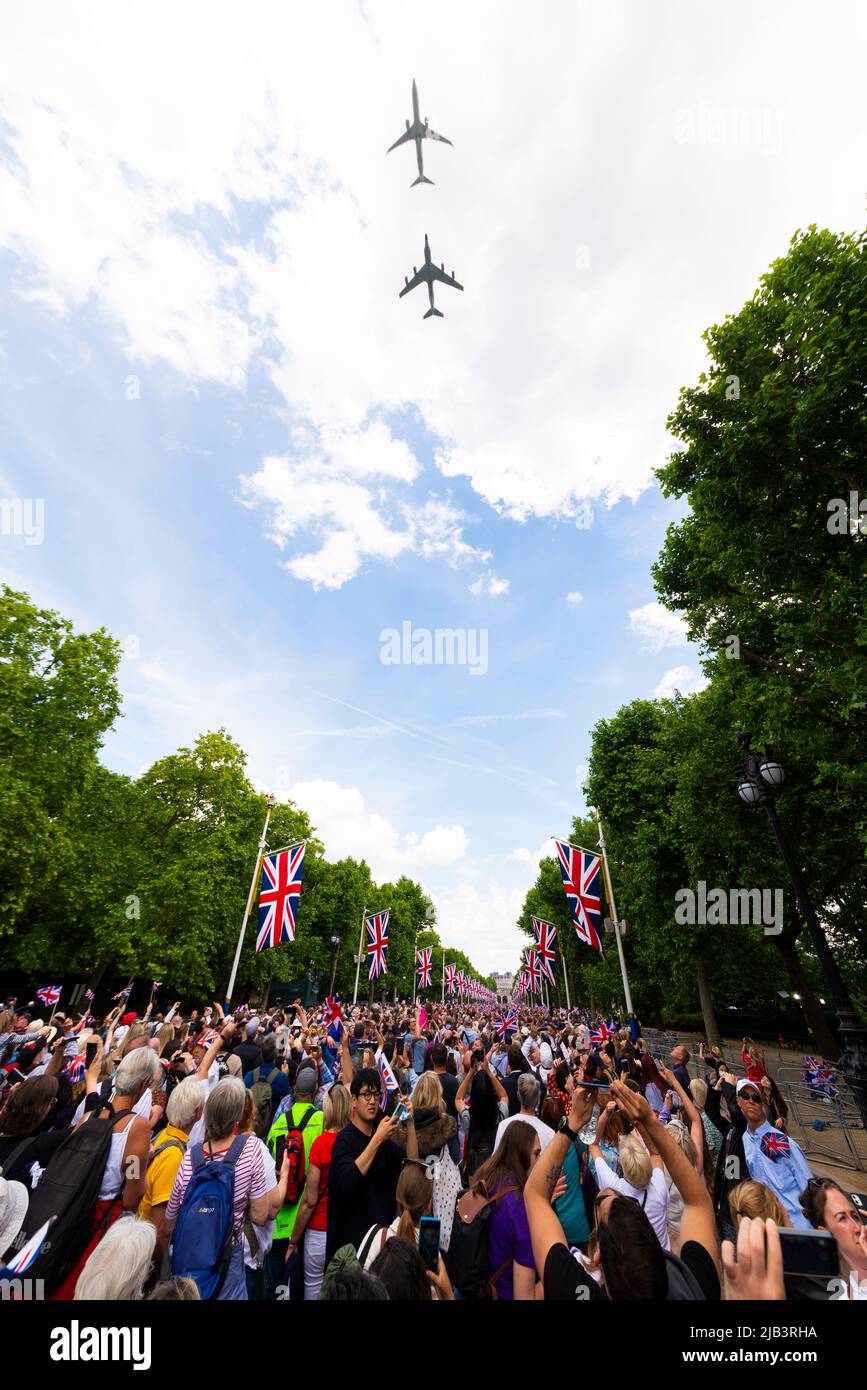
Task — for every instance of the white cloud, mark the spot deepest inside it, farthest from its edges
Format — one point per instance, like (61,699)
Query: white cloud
(348,828)
(489,584)
(686,679)
(575,598)
(481,919)
(656,627)
(534,857)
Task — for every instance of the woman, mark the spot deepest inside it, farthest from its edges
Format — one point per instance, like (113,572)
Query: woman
(119,1265)
(570,1208)
(512,1270)
(652,1083)
(414,1194)
(256,1195)
(754,1199)
(25,1144)
(713,1135)
(401,1270)
(828,1208)
(123,1179)
(560,1085)
(643,1177)
(479,1116)
(753,1059)
(313,1211)
(435,1129)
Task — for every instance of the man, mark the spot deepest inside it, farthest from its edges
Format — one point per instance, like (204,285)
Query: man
(303,1112)
(771,1156)
(516,1066)
(365,1166)
(680,1057)
(528,1097)
(536,1068)
(249,1050)
(449,1083)
(280,1086)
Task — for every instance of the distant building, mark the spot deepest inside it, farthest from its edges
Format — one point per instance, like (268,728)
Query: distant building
(504,982)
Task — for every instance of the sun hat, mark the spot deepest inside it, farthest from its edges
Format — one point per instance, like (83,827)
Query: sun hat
(14,1198)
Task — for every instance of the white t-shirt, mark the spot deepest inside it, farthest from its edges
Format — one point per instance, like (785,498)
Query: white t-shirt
(545,1132)
(653,1198)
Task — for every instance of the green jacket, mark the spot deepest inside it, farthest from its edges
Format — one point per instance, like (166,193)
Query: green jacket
(286,1215)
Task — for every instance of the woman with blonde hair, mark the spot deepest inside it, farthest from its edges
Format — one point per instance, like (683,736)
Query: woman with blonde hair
(754,1199)
(435,1133)
(643,1176)
(312,1216)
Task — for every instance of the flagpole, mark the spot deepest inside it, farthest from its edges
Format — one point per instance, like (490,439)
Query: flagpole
(250,896)
(565,979)
(610,891)
(443,999)
(415,969)
(358,958)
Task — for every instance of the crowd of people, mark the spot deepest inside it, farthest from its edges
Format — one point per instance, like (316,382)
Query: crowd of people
(397,1152)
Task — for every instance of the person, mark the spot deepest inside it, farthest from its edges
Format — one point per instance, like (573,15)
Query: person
(414,1195)
(284,1261)
(185,1105)
(435,1132)
(249,1050)
(480,1115)
(755,1200)
(123,1179)
(560,1086)
(119,1265)
(571,1208)
(511,1268)
(652,1083)
(311,1220)
(643,1177)
(680,1057)
(771,1156)
(14,1200)
(632,1261)
(528,1096)
(516,1065)
(403,1274)
(828,1208)
(365,1166)
(351,1284)
(713,1135)
(449,1084)
(26,1144)
(177,1290)
(268,1070)
(254,1196)
(753,1059)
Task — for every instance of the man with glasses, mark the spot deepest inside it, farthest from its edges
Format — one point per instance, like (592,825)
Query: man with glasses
(365,1166)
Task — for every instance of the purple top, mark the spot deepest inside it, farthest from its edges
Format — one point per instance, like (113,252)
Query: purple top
(509,1240)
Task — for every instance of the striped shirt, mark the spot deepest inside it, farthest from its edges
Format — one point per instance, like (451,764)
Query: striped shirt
(251,1180)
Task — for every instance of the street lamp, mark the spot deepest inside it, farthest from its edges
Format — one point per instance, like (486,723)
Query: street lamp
(759,778)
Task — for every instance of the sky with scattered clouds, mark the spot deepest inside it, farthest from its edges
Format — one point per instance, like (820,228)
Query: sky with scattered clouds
(255,459)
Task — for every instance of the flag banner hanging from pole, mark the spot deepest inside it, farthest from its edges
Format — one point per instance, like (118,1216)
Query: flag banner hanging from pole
(279,895)
(534,974)
(425,967)
(450,979)
(546,941)
(377,944)
(581,872)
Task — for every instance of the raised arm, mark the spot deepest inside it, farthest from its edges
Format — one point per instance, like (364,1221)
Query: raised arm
(696,1128)
(545,1228)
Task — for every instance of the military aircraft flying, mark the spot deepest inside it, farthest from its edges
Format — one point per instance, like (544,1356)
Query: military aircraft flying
(418,131)
(429,273)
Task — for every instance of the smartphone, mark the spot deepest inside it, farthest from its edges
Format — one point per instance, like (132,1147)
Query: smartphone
(399,1113)
(89,1053)
(429,1241)
(809,1252)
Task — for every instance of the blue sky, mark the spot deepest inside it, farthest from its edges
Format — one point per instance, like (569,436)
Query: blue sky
(305,462)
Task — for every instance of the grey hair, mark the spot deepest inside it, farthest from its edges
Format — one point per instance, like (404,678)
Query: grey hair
(224,1107)
(185,1102)
(117,1268)
(137,1067)
(528,1091)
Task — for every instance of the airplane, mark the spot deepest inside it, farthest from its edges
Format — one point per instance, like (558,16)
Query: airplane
(418,131)
(429,272)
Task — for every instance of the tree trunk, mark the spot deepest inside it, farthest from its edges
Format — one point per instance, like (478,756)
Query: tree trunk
(825,1041)
(711,1031)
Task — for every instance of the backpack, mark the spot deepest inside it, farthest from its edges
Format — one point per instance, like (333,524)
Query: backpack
(66,1195)
(263,1101)
(296,1153)
(205,1228)
(467,1261)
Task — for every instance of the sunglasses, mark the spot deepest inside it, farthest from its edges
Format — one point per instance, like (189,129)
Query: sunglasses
(750,1096)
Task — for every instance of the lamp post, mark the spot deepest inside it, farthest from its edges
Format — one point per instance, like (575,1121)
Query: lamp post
(335,947)
(759,779)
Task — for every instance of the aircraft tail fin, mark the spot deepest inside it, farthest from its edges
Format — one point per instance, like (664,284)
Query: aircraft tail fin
(422,178)
(435,312)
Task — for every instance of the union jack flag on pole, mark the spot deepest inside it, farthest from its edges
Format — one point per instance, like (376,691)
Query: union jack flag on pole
(377,944)
(279,895)
(450,979)
(49,995)
(581,872)
(425,967)
(546,940)
(534,974)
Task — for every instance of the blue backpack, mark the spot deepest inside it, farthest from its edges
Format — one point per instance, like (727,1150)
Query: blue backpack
(202,1244)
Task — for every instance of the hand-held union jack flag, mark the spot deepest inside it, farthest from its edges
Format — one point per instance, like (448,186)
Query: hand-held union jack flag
(279,895)
(425,967)
(49,995)
(377,944)
(581,872)
(546,940)
(333,1011)
(75,1069)
(507,1022)
(600,1035)
(124,993)
(387,1078)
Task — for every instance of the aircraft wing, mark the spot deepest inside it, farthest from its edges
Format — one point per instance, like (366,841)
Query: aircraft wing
(418,279)
(432,135)
(407,135)
(438,274)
